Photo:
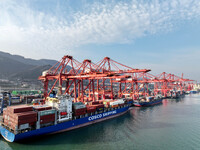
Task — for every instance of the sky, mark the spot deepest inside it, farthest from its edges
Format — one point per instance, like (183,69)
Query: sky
(161,35)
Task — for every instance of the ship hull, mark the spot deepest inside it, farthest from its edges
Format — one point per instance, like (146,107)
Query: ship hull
(193,92)
(145,104)
(65,126)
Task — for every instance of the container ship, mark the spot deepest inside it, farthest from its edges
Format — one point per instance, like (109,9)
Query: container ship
(58,114)
(148,101)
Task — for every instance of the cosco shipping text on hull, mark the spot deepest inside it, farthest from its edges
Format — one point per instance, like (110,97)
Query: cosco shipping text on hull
(65,126)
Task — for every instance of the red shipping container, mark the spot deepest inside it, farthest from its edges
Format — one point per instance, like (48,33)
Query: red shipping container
(63,113)
(47,120)
(79,113)
(19,122)
(99,105)
(19,108)
(42,108)
(96,102)
(25,115)
(80,110)
(121,104)
(91,109)
(47,116)
(13,125)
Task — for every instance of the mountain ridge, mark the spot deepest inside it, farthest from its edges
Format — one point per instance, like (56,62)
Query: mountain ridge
(16,66)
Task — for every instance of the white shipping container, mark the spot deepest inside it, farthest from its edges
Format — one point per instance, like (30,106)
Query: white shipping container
(120,101)
(113,103)
(24,126)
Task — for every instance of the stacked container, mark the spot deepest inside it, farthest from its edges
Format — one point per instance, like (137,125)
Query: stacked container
(120,102)
(64,106)
(114,104)
(19,117)
(99,107)
(41,107)
(106,102)
(90,109)
(79,108)
(94,103)
(47,114)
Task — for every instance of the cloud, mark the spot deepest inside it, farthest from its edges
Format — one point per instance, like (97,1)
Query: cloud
(41,32)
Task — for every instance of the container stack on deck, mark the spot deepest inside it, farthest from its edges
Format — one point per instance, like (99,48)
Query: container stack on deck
(47,114)
(79,108)
(90,109)
(22,117)
(63,106)
(98,106)
(19,117)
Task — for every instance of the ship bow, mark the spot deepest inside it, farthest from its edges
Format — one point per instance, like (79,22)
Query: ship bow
(7,135)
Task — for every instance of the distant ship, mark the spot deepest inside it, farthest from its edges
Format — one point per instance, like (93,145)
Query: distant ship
(147,101)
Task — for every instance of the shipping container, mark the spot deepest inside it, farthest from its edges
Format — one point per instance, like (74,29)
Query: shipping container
(79,113)
(96,102)
(78,105)
(19,108)
(47,112)
(42,121)
(91,109)
(80,110)
(114,106)
(99,105)
(23,121)
(24,115)
(41,108)
(47,116)
(63,113)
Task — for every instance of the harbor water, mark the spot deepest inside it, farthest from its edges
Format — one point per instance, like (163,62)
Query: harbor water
(174,124)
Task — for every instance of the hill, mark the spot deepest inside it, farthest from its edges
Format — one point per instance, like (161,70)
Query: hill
(16,66)
(32,73)
(29,61)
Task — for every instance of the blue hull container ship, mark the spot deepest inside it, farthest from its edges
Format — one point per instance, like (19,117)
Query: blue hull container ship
(148,101)
(57,115)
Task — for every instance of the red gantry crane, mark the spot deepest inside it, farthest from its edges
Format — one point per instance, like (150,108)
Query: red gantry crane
(85,78)
(88,81)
